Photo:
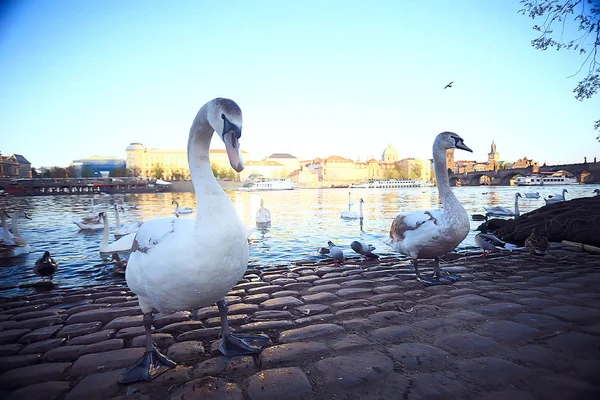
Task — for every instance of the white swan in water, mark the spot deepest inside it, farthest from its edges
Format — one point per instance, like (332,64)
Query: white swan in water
(263,215)
(498,211)
(532,195)
(91,221)
(182,264)
(557,198)
(13,245)
(123,244)
(182,210)
(433,233)
(351,214)
(124,229)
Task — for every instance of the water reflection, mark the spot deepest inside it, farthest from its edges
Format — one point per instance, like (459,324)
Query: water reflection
(302,221)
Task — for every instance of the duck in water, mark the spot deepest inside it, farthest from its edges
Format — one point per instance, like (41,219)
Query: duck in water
(45,266)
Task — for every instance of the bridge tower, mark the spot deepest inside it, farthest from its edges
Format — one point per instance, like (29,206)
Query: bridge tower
(493,162)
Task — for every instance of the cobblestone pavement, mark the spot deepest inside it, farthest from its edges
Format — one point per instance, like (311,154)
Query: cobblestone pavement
(511,328)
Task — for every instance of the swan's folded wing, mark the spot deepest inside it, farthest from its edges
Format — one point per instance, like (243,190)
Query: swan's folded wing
(153,232)
(409,222)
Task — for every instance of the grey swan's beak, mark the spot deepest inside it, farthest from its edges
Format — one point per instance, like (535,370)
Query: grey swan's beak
(461,145)
(231,136)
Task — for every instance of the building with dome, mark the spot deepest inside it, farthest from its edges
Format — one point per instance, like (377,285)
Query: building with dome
(390,154)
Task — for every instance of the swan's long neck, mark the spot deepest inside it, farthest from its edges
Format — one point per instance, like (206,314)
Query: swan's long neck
(105,232)
(516,204)
(206,186)
(449,201)
(117,218)
(15,225)
(4,225)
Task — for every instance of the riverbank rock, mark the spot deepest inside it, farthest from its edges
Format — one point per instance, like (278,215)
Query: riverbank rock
(576,220)
(511,327)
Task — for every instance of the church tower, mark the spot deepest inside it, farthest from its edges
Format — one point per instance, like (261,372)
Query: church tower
(493,158)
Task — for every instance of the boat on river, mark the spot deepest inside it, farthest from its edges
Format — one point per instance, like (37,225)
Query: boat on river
(391,184)
(260,183)
(546,179)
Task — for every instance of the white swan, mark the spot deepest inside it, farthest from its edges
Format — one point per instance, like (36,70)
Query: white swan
(6,235)
(181,210)
(433,233)
(351,214)
(498,211)
(124,229)
(16,245)
(557,198)
(263,215)
(123,244)
(532,195)
(182,264)
(597,192)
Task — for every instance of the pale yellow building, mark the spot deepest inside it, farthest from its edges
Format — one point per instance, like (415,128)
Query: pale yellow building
(288,161)
(416,168)
(173,162)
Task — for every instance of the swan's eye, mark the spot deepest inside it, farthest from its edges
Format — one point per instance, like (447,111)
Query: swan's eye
(222,116)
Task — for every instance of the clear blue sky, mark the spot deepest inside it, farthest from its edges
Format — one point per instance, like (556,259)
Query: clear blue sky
(313,78)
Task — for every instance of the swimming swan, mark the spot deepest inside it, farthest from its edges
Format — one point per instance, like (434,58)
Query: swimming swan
(123,229)
(182,210)
(15,245)
(557,198)
(351,214)
(263,215)
(122,244)
(182,264)
(498,211)
(433,233)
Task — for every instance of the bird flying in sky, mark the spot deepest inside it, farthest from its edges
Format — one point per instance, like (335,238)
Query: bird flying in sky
(448,85)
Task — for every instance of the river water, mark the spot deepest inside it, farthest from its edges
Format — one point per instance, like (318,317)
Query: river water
(302,221)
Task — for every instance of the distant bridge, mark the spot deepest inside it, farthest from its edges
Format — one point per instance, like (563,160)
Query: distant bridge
(502,177)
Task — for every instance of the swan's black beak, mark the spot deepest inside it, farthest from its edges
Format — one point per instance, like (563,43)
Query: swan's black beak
(461,145)
(231,135)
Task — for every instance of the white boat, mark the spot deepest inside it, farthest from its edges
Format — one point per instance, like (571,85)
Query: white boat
(557,178)
(391,184)
(261,183)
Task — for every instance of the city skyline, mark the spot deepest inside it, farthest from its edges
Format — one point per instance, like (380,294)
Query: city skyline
(342,78)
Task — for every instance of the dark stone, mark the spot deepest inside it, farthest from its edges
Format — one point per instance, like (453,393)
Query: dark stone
(257,298)
(538,302)
(104,315)
(226,366)
(261,326)
(310,332)
(323,288)
(320,297)
(572,313)
(74,330)
(500,308)
(576,344)
(319,318)
(97,386)
(386,318)
(160,320)
(311,309)
(421,357)
(11,335)
(36,314)
(394,334)
(271,314)
(353,293)
(350,342)
(125,322)
(162,340)
(33,374)
(12,362)
(544,323)
(65,353)
(199,334)
(41,391)
(278,384)
(43,346)
(360,324)
(180,327)
(356,311)
(114,359)
(93,337)
(186,351)
(208,388)
(292,353)
(465,301)
(10,349)
(130,333)
(492,372)
(506,331)
(467,343)
(284,293)
(282,302)
(40,334)
(349,371)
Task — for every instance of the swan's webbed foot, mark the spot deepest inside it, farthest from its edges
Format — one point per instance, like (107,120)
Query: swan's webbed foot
(239,344)
(149,366)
